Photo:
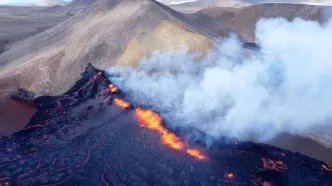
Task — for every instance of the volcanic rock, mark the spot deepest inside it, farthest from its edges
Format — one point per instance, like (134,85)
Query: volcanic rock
(64,144)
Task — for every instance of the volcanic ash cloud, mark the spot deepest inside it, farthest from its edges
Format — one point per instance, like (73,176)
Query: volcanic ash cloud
(286,87)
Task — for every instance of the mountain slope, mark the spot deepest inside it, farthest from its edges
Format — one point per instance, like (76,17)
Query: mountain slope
(309,2)
(77,5)
(20,22)
(51,2)
(108,32)
(191,7)
(243,20)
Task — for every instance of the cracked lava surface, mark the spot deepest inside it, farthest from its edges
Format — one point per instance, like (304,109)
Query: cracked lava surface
(92,136)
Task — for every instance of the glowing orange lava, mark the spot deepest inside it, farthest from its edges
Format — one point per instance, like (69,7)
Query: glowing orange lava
(113,88)
(274,165)
(229,176)
(172,140)
(121,103)
(326,168)
(195,153)
(152,120)
(149,119)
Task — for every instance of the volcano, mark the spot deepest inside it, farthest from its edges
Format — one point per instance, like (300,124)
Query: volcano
(102,32)
(92,135)
(106,33)
(76,127)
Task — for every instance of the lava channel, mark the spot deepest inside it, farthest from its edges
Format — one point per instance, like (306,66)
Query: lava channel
(151,120)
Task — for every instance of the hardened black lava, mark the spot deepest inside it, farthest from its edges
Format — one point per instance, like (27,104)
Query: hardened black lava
(83,138)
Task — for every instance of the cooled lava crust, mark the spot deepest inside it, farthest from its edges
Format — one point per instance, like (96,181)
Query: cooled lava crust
(83,138)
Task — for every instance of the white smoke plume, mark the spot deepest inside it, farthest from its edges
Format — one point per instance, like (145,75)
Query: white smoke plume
(284,88)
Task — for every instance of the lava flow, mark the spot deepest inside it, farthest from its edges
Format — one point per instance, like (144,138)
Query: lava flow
(274,165)
(77,139)
(113,88)
(152,120)
(195,153)
(326,168)
(229,176)
(121,103)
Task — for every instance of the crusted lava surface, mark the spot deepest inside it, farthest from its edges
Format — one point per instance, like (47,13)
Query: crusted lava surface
(84,137)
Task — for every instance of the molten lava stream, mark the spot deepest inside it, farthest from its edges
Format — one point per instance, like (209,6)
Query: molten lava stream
(274,165)
(326,168)
(112,88)
(195,153)
(121,103)
(152,121)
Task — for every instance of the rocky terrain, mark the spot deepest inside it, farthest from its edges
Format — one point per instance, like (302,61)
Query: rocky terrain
(45,50)
(87,137)
(18,23)
(108,32)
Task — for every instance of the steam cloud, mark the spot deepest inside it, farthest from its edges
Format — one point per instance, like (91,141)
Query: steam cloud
(284,88)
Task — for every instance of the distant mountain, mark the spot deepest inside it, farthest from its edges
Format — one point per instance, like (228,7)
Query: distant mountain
(82,2)
(309,2)
(51,2)
(194,6)
(243,20)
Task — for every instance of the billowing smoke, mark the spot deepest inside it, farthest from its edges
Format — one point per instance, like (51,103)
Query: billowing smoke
(284,88)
